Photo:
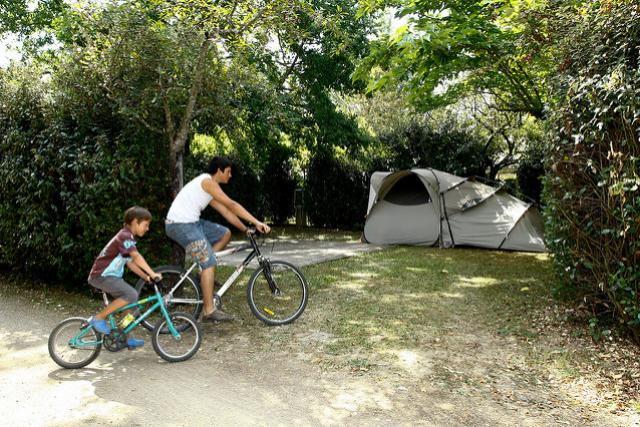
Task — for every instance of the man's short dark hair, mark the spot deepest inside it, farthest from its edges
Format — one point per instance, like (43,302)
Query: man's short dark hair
(136,212)
(218,163)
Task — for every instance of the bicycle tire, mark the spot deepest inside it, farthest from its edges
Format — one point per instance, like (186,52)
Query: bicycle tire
(67,330)
(277,309)
(164,342)
(188,290)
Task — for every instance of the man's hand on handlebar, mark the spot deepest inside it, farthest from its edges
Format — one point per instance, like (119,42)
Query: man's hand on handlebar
(259,226)
(263,228)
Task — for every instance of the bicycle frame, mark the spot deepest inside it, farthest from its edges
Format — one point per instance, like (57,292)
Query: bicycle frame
(159,303)
(230,281)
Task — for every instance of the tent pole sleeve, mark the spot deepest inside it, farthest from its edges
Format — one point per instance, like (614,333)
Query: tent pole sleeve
(442,208)
(446,216)
(506,236)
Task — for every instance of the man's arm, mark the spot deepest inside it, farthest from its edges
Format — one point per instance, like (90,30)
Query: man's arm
(228,215)
(213,188)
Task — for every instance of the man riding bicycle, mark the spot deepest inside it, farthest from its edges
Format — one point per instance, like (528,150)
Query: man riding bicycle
(196,235)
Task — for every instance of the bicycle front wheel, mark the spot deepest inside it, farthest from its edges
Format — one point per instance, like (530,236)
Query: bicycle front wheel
(187,298)
(277,293)
(72,348)
(177,349)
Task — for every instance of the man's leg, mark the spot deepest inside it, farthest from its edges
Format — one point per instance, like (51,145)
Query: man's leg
(223,242)
(206,283)
(218,236)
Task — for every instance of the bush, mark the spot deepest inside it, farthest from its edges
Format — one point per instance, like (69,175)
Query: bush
(335,193)
(592,190)
(446,148)
(69,167)
(530,173)
(279,184)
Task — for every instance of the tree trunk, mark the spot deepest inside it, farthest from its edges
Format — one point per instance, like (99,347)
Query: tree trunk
(178,140)
(177,172)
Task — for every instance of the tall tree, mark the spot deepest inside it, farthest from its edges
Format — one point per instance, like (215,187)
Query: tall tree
(25,17)
(448,50)
(156,57)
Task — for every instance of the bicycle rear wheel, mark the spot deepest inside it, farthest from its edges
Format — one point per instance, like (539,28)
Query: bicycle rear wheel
(277,293)
(72,349)
(186,299)
(174,349)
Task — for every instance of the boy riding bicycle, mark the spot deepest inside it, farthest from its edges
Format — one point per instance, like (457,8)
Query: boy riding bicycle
(108,268)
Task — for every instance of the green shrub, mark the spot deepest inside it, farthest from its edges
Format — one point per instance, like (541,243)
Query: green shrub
(279,184)
(529,175)
(335,192)
(445,148)
(69,167)
(592,190)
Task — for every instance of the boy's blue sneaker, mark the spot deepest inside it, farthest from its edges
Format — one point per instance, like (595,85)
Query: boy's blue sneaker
(100,325)
(134,343)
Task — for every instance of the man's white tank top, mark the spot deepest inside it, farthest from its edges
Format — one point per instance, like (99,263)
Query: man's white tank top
(190,201)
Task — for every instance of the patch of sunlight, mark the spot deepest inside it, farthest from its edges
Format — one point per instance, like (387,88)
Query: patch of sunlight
(417,270)
(451,295)
(446,406)
(476,282)
(412,295)
(412,361)
(29,396)
(358,400)
(391,298)
(362,275)
(352,285)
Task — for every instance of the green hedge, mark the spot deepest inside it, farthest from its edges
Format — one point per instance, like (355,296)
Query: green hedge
(336,193)
(592,190)
(69,167)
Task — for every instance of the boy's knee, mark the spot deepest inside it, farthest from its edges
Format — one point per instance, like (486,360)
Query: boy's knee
(131,296)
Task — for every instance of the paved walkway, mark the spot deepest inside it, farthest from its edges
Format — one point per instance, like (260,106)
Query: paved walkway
(301,252)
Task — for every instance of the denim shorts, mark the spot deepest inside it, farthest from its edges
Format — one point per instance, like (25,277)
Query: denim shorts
(196,238)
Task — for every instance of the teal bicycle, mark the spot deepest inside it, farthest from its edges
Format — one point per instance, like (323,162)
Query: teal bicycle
(176,336)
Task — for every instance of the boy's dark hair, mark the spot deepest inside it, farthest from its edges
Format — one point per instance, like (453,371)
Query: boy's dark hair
(136,212)
(218,163)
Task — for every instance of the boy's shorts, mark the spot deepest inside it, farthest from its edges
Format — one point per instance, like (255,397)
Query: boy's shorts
(196,238)
(116,287)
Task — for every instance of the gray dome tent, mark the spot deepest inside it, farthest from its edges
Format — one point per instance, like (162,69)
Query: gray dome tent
(429,207)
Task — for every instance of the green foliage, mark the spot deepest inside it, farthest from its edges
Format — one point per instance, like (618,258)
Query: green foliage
(336,192)
(96,134)
(592,191)
(21,17)
(442,145)
(448,50)
(530,173)
(279,183)
(68,171)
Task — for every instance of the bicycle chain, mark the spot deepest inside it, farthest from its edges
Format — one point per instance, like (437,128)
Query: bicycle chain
(116,340)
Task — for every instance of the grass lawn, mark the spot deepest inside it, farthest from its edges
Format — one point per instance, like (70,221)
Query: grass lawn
(473,317)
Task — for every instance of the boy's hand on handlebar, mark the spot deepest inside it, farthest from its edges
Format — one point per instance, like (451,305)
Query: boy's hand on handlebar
(155,277)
